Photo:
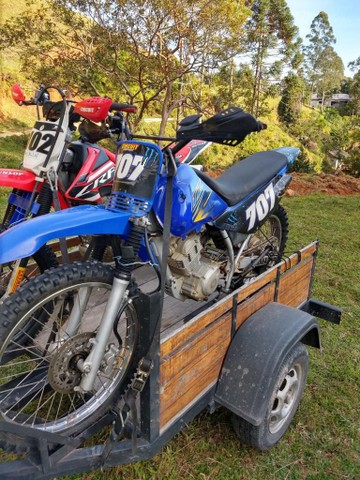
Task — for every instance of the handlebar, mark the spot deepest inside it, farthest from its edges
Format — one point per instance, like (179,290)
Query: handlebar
(123,107)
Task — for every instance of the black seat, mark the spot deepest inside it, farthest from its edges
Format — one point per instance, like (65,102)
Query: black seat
(243,178)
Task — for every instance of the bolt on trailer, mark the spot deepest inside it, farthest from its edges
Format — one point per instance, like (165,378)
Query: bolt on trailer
(246,351)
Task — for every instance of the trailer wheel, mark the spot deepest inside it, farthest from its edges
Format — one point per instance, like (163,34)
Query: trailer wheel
(284,400)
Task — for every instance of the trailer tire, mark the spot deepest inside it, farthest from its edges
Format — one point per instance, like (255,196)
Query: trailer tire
(284,400)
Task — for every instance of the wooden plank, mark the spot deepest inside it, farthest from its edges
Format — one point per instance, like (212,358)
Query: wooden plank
(298,257)
(294,286)
(254,303)
(194,326)
(194,348)
(165,425)
(183,378)
(192,356)
(172,338)
(195,365)
(170,405)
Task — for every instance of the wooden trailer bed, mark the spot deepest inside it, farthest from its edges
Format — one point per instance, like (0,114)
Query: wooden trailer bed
(192,353)
(193,345)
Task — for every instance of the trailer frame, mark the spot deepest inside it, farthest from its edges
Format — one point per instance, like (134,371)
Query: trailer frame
(192,355)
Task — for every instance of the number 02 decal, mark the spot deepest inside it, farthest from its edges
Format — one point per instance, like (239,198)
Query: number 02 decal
(41,142)
(130,167)
(261,207)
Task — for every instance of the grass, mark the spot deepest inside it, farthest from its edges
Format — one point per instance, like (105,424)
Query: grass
(12,151)
(11,154)
(12,117)
(323,442)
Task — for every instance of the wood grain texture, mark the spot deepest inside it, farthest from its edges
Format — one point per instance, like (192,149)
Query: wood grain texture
(192,353)
(294,285)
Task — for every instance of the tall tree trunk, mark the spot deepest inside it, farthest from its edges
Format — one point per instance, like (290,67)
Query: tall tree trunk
(165,110)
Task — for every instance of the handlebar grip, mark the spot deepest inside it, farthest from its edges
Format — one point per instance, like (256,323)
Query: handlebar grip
(261,126)
(123,107)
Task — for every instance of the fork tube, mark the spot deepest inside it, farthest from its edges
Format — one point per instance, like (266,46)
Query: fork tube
(92,362)
(17,276)
(80,303)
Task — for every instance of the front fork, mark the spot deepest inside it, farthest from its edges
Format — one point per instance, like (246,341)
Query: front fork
(125,257)
(15,213)
(90,366)
(17,276)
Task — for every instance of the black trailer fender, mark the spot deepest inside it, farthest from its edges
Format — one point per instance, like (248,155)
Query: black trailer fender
(255,354)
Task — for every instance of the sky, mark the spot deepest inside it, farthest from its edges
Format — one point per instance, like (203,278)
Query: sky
(344,17)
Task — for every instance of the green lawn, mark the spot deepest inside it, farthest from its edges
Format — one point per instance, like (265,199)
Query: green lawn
(323,442)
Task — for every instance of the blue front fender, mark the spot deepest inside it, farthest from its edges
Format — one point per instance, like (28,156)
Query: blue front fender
(25,239)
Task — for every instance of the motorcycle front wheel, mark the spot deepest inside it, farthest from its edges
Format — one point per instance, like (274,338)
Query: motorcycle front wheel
(42,260)
(38,378)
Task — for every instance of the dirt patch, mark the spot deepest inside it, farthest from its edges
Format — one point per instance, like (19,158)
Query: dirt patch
(333,184)
(306,183)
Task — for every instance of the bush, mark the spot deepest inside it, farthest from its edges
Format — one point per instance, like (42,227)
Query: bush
(352,163)
(303,163)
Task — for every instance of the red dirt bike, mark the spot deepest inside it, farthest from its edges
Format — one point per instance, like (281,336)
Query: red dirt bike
(57,172)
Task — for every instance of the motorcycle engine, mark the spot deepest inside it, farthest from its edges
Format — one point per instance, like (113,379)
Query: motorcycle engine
(193,275)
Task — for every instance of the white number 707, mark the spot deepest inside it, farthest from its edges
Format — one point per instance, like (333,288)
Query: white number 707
(261,206)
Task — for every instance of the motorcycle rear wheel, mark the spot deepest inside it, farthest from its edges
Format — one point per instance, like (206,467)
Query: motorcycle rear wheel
(272,236)
(266,246)
(38,379)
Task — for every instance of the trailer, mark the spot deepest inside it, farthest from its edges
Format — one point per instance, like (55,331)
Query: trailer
(245,351)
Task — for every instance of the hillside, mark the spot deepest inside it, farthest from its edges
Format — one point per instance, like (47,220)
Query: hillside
(316,134)
(8,62)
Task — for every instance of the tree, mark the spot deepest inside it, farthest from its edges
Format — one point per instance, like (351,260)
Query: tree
(272,43)
(354,87)
(332,73)
(141,50)
(290,104)
(324,67)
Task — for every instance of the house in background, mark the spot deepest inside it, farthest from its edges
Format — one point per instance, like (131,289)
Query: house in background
(337,100)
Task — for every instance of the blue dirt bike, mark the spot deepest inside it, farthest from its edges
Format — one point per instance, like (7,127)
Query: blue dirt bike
(76,327)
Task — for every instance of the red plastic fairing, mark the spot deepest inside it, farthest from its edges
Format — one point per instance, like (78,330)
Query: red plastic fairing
(17,179)
(95,109)
(17,94)
(87,184)
(23,180)
(111,155)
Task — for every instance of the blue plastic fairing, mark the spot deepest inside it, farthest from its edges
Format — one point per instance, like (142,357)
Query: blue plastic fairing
(26,238)
(290,153)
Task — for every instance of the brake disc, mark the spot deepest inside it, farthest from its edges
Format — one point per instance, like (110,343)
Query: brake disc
(64,374)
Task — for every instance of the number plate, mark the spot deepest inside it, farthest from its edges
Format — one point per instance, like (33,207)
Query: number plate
(42,138)
(137,165)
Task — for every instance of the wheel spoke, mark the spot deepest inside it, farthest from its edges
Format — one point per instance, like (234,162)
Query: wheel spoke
(40,364)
